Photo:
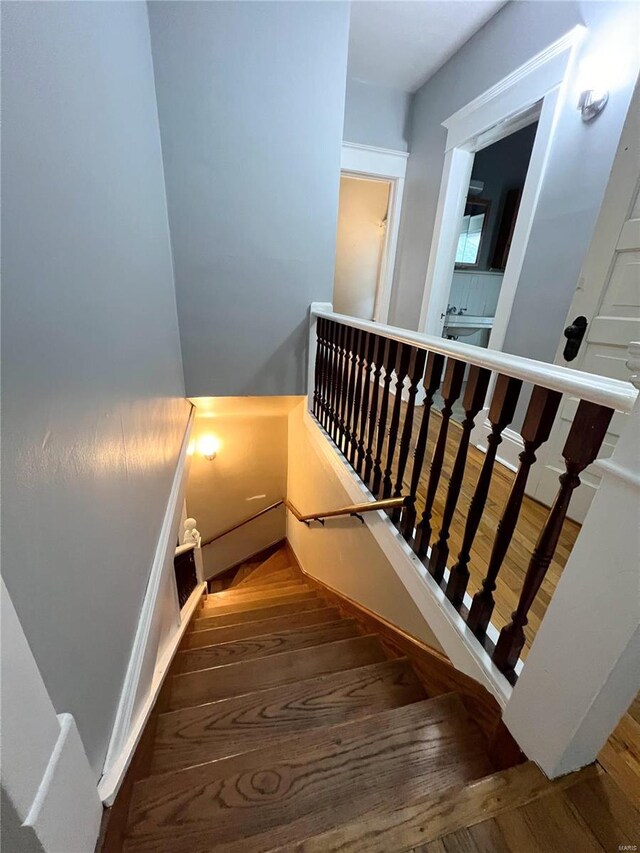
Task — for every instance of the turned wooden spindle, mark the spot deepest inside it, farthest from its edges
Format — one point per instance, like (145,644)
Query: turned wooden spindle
(333,355)
(361,353)
(431,383)
(501,412)
(416,368)
(473,400)
(389,361)
(370,358)
(581,448)
(348,379)
(373,409)
(453,378)
(340,382)
(317,372)
(538,420)
(403,358)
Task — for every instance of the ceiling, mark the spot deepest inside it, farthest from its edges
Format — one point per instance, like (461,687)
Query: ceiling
(401,44)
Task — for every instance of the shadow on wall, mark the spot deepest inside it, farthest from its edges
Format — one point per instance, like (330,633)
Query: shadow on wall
(248,473)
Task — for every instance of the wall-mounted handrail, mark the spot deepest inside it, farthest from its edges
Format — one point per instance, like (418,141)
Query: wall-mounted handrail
(613,393)
(352,510)
(242,523)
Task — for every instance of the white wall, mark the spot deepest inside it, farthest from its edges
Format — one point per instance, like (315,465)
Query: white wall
(361,235)
(248,474)
(377,115)
(343,554)
(577,169)
(92,380)
(251,104)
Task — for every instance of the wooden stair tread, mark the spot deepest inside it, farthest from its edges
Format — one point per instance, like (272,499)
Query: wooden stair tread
(220,682)
(312,602)
(318,780)
(251,592)
(261,602)
(431,816)
(291,573)
(280,561)
(255,720)
(263,645)
(261,625)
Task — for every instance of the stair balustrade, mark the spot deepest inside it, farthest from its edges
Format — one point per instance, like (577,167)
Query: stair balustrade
(367,379)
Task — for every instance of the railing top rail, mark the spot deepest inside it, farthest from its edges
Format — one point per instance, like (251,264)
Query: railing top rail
(352,509)
(613,393)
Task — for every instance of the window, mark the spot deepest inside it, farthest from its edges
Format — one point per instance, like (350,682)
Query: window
(471,231)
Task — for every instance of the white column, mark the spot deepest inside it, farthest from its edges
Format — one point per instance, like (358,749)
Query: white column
(583,670)
(47,783)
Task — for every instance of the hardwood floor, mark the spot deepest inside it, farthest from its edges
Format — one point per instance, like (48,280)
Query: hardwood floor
(531,519)
(327,736)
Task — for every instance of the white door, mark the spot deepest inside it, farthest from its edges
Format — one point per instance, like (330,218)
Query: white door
(608,296)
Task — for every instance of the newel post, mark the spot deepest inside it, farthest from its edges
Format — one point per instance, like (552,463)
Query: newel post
(583,669)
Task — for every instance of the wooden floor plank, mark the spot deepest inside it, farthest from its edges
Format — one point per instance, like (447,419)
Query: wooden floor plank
(611,818)
(219,682)
(252,721)
(287,792)
(261,625)
(263,646)
(432,816)
(620,757)
(270,612)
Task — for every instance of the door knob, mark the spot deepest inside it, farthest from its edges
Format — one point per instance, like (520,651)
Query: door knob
(574,335)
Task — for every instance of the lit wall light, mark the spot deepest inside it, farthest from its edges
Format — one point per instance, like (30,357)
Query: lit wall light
(208,446)
(592,102)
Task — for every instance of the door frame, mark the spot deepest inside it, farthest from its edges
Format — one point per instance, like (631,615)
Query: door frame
(366,161)
(539,86)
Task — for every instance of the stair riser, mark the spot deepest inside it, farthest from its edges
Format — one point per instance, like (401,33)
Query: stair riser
(270,612)
(257,604)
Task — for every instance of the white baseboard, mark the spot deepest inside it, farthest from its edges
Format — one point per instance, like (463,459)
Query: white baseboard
(154,638)
(509,449)
(458,642)
(112,779)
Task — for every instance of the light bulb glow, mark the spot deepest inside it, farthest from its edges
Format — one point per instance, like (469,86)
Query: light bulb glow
(208,446)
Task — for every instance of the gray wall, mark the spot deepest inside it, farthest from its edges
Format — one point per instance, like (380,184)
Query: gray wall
(577,170)
(377,115)
(251,103)
(91,372)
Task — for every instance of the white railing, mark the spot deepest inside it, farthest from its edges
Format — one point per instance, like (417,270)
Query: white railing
(581,672)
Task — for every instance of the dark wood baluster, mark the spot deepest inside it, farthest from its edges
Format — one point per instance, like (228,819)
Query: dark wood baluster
(347,358)
(365,411)
(536,428)
(357,398)
(320,370)
(317,368)
(431,383)
(501,412)
(354,362)
(403,358)
(453,377)
(333,331)
(581,448)
(389,362)
(416,368)
(373,411)
(338,386)
(473,400)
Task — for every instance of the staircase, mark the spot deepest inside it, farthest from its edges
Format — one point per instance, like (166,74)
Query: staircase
(286,726)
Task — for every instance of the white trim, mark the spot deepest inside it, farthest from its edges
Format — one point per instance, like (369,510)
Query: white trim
(493,115)
(380,164)
(613,393)
(112,779)
(165,552)
(458,642)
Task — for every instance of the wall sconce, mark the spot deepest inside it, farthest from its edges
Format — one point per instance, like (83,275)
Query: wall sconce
(592,102)
(208,446)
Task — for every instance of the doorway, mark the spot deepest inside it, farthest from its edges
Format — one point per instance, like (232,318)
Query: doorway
(485,236)
(362,227)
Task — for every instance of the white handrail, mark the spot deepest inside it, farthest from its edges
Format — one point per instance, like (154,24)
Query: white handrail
(613,393)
